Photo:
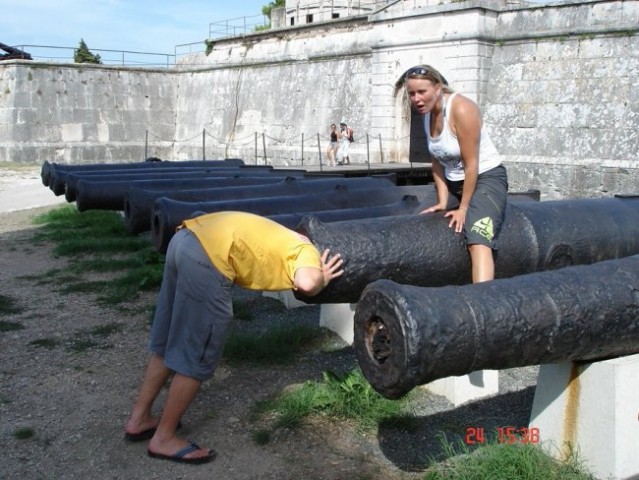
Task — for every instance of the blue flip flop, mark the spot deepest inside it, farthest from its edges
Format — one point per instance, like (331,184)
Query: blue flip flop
(179,455)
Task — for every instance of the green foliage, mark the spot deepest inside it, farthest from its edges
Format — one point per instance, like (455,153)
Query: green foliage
(23,433)
(266,9)
(97,241)
(9,306)
(82,54)
(340,397)
(10,326)
(209,46)
(504,461)
(48,343)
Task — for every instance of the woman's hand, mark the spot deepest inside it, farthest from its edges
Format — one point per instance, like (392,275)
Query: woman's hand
(435,208)
(457,219)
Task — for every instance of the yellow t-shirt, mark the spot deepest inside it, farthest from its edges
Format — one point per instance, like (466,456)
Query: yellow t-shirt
(252,251)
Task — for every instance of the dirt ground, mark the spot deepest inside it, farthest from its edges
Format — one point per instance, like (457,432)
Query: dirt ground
(76,403)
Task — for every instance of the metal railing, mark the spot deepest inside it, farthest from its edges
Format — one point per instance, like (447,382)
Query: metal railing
(52,54)
(260,148)
(238,26)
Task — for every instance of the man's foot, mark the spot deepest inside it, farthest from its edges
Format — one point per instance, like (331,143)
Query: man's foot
(191,453)
(139,431)
(144,434)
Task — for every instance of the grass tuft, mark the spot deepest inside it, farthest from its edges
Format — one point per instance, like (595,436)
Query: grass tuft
(96,241)
(10,326)
(494,460)
(9,306)
(339,397)
(23,433)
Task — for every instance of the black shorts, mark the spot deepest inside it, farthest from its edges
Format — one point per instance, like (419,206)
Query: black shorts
(485,214)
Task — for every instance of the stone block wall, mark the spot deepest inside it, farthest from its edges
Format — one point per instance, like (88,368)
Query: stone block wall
(556,84)
(73,113)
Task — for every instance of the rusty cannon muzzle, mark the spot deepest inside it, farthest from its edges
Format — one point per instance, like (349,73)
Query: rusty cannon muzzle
(407,336)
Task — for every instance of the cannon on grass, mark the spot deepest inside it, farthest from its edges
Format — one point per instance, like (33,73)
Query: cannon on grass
(407,336)
(169,214)
(138,203)
(422,250)
(49,169)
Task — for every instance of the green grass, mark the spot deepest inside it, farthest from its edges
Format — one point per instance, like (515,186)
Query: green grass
(97,242)
(495,461)
(23,433)
(338,397)
(10,326)
(48,343)
(9,306)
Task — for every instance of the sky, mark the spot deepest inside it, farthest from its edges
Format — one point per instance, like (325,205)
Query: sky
(133,25)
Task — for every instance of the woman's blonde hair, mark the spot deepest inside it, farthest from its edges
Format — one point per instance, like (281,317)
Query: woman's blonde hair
(425,72)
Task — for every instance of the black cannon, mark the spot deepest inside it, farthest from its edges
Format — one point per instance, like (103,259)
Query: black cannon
(111,195)
(49,169)
(71,179)
(409,204)
(13,53)
(138,203)
(168,214)
(407,336)
(422,250)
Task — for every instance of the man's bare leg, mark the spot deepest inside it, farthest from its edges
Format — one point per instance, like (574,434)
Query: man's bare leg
(155,377)
(181,394)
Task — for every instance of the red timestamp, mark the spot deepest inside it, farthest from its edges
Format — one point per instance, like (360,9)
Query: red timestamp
(508,435)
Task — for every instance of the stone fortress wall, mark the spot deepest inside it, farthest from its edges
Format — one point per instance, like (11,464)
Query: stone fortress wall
(557,84)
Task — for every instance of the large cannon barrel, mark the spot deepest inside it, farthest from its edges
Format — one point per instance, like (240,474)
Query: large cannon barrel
(50,169)
(111,195)
(71,179)
(422,250)
(168,214)
(410,204)
(407,336)
(138,203)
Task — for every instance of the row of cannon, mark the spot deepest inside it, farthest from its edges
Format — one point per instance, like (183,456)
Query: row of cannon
(567,276)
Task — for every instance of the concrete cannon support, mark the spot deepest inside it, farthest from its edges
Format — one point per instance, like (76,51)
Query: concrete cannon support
(407,336)
(422,250)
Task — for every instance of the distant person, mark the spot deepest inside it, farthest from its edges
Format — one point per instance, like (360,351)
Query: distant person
(205,257)
(465,164)
(345,139)
(331,151)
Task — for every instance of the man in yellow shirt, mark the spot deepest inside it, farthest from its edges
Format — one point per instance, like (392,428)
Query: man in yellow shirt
(206,256)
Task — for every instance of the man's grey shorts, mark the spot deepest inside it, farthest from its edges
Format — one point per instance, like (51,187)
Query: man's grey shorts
(193,312)
(485,214)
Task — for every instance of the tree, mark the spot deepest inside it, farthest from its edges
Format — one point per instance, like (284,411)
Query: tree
(266,9)
(82,54)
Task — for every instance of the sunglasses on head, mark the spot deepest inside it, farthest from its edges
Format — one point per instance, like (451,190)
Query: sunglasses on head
(416,71)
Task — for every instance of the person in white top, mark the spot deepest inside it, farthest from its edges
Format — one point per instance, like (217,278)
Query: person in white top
(465,164)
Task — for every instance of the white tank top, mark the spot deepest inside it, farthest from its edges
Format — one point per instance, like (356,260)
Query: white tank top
(445,148)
